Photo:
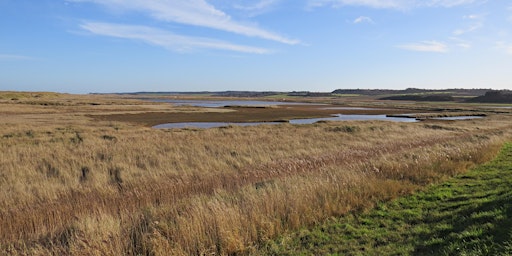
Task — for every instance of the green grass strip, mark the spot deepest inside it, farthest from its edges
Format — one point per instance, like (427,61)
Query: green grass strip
(470,214)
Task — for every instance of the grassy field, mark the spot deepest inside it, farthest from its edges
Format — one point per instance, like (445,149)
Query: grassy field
(470,214)
(77,179)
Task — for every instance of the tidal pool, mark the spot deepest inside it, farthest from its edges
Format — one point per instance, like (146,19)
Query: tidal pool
(206,125)
(256,103)
(338,117)
(341,117)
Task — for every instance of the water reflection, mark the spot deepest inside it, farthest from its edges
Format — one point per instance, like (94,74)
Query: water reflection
(354,108)
(341,117)
(206,125)
(338,117)
(256,103)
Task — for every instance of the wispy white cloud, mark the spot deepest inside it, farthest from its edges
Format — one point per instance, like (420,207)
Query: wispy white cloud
(381,4)
(14,57)
(257,8)
(165,39)
(473,16)
(425,46)
(477,22)
(363,19)
(193,12)
(471,28)
(450,3)
(392,4)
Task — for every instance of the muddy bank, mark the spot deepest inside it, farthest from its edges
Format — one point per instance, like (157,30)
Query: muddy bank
(244,114)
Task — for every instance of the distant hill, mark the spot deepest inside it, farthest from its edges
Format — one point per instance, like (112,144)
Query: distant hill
(503,96)
(413,91)
(219,93)
(413,94)
(427,97)
(157,93)
(245,93)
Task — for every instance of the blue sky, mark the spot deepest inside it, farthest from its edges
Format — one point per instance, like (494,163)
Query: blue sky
(82,46)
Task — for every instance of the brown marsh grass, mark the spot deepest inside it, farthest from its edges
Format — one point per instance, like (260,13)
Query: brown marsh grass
(74,185)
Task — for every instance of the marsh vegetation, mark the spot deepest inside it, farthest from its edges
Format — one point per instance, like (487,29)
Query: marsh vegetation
(86,175)
(465,215)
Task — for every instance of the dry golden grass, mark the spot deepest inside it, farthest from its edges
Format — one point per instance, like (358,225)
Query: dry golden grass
(70,184)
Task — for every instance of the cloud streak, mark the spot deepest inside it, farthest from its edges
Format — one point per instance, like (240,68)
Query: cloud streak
(425,46)
(478,22)
(193,12)
(392,4)
(257,8)
(363,19)
(163,38)
(469,29)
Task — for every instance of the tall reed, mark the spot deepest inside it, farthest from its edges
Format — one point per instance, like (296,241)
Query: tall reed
(112,189)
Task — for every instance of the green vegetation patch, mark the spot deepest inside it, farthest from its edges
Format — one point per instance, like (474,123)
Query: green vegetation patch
(8,95)
(347,95)
(470,214)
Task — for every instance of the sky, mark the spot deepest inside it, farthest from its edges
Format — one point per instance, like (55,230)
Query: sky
(102,46)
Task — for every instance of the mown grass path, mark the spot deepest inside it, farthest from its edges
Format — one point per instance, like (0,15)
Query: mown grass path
(470,214)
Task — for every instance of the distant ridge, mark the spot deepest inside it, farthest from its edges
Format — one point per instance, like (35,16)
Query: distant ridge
(411,94)
(153,93)
(382,92)
(503,96)
(426,97)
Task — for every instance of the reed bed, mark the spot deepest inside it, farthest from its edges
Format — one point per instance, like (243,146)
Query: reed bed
(84,187)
